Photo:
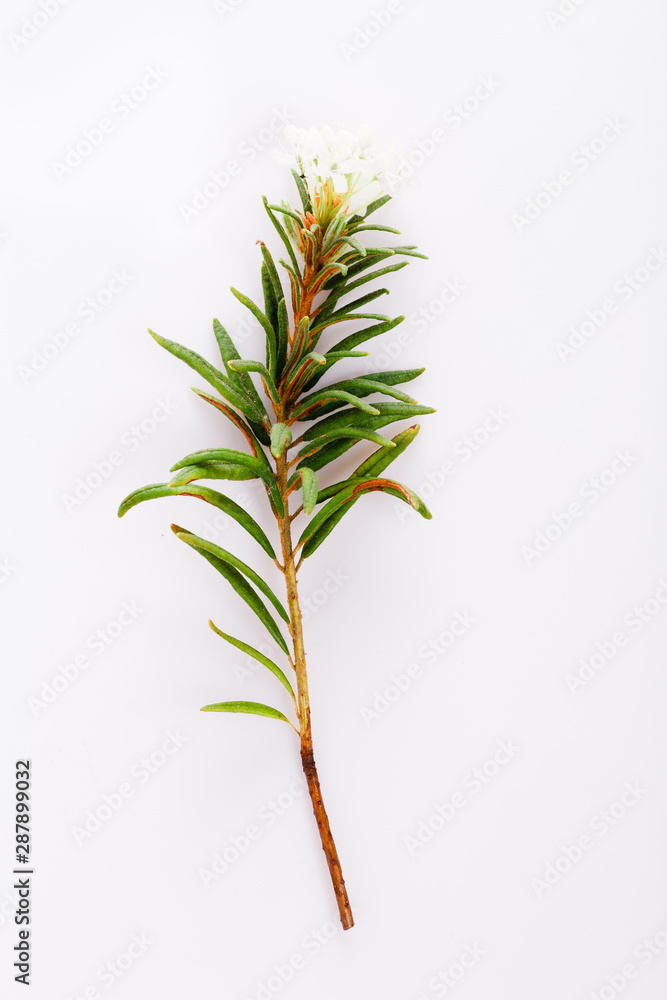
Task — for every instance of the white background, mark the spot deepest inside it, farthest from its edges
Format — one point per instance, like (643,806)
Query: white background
(480,881)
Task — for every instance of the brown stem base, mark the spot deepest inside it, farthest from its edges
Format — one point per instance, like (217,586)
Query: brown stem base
(328,845)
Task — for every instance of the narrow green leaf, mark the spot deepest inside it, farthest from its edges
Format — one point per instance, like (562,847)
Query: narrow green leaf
(233,394)
(324,396)
(363,386)
(288,212)
(356,433)
(211,470)
(373,207)
(372,466)
(271,312)
(282,338)
(351,341)
(228,352)
(205,455)
(309,362)
(355,244)
(327,318)
(249,708)
(281,436)
(380,459)
(387,413)
(370,385)
(281,232)
(316,530)
(205,547)
(255,310)
(225,343)
(226,460)
(334,232)
(309,489)
(246,593)
(304,193)
(256,655)
(250,431)
(373,256)
(273,271)
(219,500)
(244,365)
(344,287)
(383,229)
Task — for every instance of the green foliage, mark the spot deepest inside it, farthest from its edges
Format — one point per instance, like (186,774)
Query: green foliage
(247,707)
(257,655)
(293,424)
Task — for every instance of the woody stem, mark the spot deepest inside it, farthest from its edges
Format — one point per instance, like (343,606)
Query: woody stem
(307,758)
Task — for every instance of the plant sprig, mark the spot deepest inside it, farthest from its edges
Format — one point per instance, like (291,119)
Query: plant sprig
(294,428)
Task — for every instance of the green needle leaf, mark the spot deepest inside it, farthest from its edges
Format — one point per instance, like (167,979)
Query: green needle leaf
(212,470)
(232,393)
(222,463)
(327,394)
(246,592)
(355,244)
(248,707)
(220,455)
(324,522)
(255,310)
(257,366)
(304,193)
(255,653)
(374,464)
(309,489)
(283,235)
(281,436)
(204,546)
(356,433)
(219,500)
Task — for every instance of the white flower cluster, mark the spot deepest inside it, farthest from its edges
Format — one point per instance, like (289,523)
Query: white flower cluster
(353,163)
